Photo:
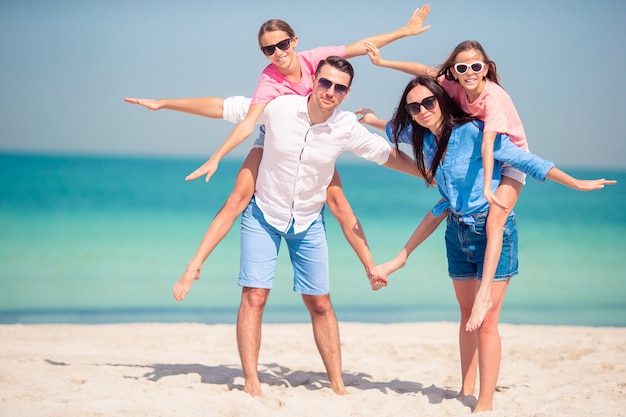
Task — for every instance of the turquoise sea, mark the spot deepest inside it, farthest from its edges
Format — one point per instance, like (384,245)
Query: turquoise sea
(103,239)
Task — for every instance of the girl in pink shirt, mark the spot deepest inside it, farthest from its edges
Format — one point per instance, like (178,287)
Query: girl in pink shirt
(288,73)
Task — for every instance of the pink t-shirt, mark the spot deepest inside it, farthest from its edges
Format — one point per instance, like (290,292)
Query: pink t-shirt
(273,84)
(494,107)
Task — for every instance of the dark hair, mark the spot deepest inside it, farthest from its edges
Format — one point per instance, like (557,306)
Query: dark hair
(275,25)
(402,123)
(445,68)
(339,63)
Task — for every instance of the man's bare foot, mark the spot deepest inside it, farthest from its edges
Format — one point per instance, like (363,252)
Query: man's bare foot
(183,285)
(254,389)
(479,311)
(339,390)
(480,408)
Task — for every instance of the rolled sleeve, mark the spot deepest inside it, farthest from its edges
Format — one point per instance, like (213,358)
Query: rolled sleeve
(235,108)
(529,163)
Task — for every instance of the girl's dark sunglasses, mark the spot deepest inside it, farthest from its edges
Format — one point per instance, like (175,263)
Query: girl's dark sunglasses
(282,45)
(340,89)
(414,108)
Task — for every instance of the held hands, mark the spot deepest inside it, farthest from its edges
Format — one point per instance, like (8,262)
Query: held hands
(373,53)
(208,169)
(377,281)
(414,26)
(146,102)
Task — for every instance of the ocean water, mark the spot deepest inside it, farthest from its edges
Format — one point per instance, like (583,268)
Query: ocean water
(103,239)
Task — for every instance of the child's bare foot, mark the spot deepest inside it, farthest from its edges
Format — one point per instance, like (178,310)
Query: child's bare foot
(183,285)
(479,311)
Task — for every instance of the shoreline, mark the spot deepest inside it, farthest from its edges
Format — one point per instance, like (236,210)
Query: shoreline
(396,369)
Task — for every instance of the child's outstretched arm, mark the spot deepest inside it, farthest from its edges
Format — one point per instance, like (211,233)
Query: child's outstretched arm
(412,68)
(211,107)
(236,137)
(413,27)
(426,228)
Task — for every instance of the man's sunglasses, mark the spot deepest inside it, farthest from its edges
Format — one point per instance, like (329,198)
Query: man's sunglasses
(414,108)
(476,67)
(340,89)
(282,45)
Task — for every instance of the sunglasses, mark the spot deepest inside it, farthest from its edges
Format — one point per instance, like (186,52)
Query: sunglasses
(476,67)
(282,45)
(340,89)
(415,108)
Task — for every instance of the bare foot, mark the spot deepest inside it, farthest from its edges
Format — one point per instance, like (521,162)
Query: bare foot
(339,390)
(183,285)
(253,389)
(479,311)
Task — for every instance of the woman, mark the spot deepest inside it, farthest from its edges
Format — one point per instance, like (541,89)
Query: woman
(471,78)
(447,147)
(289,72)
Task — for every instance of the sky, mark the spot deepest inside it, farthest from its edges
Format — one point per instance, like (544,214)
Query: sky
(66,66)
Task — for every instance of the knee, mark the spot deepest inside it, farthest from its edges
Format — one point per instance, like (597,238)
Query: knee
(254,298)
(237,201)
(318,305)
(495,221)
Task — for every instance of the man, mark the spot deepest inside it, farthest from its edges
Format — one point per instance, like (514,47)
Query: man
(304,136)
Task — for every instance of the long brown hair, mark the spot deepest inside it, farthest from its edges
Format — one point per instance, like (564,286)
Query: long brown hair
(446,67)
(403,124)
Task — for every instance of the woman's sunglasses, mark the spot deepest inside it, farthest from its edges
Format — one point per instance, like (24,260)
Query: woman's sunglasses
(340,89)
(414,108)
(282,45)
(476,67)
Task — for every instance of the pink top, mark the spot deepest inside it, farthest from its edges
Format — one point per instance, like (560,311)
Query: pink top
(494,107)
(273,84)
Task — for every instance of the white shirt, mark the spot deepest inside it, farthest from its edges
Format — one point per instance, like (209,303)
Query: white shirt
(299,159)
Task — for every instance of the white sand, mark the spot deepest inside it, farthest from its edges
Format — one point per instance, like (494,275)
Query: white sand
(394,370)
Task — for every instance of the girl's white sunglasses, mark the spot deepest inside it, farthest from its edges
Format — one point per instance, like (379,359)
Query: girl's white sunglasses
(462,68)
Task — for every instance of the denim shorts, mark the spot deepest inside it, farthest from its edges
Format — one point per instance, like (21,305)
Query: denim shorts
(260,243)
(465,246)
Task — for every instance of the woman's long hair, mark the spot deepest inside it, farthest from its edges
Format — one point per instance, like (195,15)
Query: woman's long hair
(402,124)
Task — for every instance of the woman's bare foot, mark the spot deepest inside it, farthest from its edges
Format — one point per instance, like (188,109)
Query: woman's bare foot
(479,311)
(183,285)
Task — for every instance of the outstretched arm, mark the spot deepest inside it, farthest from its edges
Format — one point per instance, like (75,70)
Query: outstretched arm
(211,107)
(563,178)
(412,68)
(426,228)
(413,27)
(369,118)
(238,135)
(402,162)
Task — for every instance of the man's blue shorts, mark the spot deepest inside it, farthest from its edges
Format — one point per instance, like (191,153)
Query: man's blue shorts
(260,243)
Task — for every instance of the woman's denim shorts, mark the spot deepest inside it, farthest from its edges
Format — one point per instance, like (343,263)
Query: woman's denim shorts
(466,240)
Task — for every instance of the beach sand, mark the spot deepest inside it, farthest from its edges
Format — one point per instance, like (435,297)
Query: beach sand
(408,369)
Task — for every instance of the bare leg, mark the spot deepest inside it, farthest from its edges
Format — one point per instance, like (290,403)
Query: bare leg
(489,349)
(326,333)
(508,192)
(222,222)
(350,225)
(249,321)
(468,342)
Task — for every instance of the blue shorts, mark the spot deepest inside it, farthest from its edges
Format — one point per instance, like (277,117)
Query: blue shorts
(466,243)
(260,243)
